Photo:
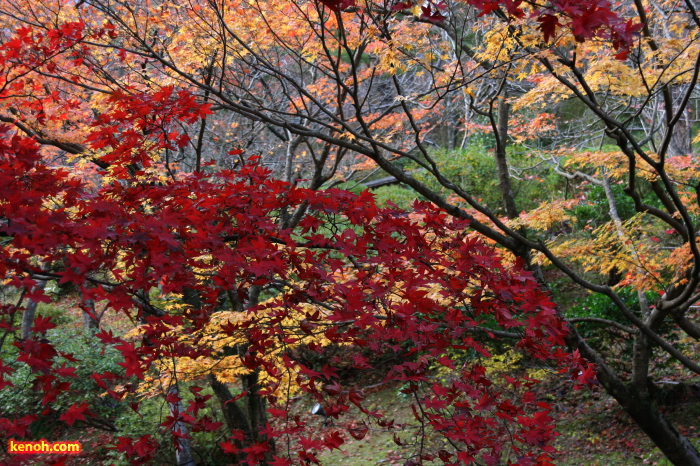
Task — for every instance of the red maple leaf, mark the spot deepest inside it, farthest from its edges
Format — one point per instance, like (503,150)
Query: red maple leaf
(548,26)
(42,324)
(333,441)
(76,412)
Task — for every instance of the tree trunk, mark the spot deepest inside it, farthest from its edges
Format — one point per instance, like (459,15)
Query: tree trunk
(30,311)
(640,407)
(501,158)
(681,137)
(672,443)
(233,414)
(256,412)
(183,451)
(500,128)
(90,319)
(236,419)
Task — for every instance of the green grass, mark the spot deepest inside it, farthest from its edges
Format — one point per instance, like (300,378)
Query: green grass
(378,446)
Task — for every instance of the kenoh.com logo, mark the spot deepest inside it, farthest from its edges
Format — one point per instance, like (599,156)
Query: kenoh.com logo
(42,447)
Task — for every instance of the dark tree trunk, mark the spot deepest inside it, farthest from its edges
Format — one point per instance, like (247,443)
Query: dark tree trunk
(233,414)
(640,407)
(501,158)
(672,443)
(249,421)
(500,127)
(256,411)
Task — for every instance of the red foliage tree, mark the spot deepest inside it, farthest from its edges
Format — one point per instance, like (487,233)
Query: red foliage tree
(372,279)
(420,288)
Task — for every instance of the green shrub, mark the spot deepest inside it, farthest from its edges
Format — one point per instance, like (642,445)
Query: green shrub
(601,306)
(22,398)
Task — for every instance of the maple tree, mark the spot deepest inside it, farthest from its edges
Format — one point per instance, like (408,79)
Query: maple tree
(313,87)
(377,279)
(344,272)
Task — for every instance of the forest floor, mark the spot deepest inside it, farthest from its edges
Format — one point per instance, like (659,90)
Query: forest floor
(594,431)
